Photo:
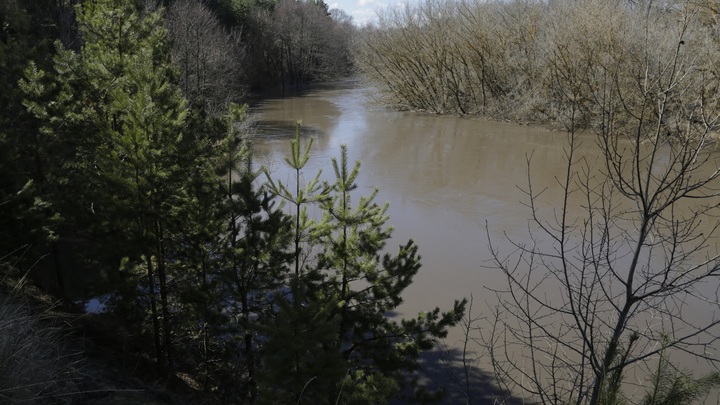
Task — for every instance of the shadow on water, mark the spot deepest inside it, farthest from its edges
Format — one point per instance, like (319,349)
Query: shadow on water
(442,370)
(277,129)
(278,92)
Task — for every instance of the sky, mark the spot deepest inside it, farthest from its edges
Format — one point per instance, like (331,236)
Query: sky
(364,11)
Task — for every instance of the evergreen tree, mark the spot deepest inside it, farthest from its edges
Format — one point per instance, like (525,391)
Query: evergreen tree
(299,196)
(121,123)
(343,294)
(302,362)
(255,257)
(367,287)
(668,384)
(673,386)
(264,306)
(309,365)
(26,190)
(197,252)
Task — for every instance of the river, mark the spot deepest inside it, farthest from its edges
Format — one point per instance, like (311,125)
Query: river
(453,183)
(443,176)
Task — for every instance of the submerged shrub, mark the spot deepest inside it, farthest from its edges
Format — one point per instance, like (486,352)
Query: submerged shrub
(528,60)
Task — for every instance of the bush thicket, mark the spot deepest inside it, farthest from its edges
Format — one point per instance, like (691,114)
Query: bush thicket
(522,60)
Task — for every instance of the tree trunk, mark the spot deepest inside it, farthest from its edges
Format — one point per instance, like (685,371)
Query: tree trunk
(154,313)
(59,275)
(164,306)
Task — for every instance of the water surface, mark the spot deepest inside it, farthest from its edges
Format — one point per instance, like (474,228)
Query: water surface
(446,178)
(453,183)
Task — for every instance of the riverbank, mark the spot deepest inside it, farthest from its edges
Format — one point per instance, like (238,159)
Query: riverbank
(68,356)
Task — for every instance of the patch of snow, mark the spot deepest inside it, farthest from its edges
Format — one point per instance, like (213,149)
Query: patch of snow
(97,305)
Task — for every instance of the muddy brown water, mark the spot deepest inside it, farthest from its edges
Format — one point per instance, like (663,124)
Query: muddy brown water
(444,177)
(452,183)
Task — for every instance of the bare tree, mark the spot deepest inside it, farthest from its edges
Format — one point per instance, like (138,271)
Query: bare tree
(614,275)
(209,58)
(497,58)
(456,56)
(299,42)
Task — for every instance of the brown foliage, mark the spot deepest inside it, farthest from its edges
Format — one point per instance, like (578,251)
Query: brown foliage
(523,60)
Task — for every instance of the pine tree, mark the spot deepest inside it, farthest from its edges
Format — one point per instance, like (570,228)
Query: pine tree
(197,253)
(299,196)
(301,360)
(26,191)
(367,287)
(255,257)
(141,132)
(343,294)
(120,122)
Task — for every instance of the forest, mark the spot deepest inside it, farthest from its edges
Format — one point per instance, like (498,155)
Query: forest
(128,176)
(129,182)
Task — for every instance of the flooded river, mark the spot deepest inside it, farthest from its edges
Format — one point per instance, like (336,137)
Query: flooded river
(452,183)
(444,177)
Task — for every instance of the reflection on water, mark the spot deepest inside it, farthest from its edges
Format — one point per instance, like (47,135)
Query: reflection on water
(450,181)
(445,177)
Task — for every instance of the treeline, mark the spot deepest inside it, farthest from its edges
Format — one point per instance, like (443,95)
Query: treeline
(123,158)
(229,45)
(539,61)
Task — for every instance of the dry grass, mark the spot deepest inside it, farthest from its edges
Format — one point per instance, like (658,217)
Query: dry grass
(35,366)
(51,356)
